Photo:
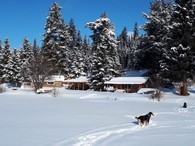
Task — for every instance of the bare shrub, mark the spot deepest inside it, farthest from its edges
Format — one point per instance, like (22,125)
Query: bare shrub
(2,89)
(157,95)
(55,92)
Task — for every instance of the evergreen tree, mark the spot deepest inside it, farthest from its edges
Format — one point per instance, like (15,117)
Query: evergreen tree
(152,45)
(73,33)
(136,32)
(142,57)
(73,52)
(86,54)
(104,58)
(12,69)
(35,48)
(5,59)
(64,59)
(104,15)
(56,40)
(1,49)
(178,60)
(26,53)
(78,66)
(1,62)
(6,51)
(27,50)
(123,48)
(78,39)
(134,42)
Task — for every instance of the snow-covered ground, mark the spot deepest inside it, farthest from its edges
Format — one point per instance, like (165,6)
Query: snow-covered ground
(87,118)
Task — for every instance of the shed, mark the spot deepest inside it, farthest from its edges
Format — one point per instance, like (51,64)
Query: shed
(80,83)
(129,84)
(54,81)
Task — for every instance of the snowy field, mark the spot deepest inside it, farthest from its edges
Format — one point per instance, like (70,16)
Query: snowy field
(87,118)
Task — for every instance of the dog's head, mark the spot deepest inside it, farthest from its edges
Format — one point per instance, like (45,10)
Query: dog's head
(150,114)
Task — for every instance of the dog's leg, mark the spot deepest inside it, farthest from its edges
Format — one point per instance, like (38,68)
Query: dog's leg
(139,121)
(146,123)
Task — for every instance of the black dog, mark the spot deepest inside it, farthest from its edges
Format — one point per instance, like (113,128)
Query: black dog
(144,119)
(185,105)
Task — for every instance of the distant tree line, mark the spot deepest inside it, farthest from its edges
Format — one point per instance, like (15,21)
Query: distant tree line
(167,48)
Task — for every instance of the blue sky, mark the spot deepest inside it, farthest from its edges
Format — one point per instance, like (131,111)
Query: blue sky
(27,18)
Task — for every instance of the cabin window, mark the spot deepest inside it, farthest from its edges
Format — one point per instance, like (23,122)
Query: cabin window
(27,84)
(50,83)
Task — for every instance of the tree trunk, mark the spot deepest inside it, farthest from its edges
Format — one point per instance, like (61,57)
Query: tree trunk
(37,85)
(184,88)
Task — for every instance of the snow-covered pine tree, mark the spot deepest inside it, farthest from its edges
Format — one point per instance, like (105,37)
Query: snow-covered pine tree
(136,31)
(104,58)
(27,50)
(52,36)
(1,49)
(6,53)
(56,38)
(63,54)
(73,33)
(82,65)
(78,66)
(75,50)
(134,42)
(12,74)
(152,44)
(35,48)
(26,53)
(179,59)
(1,62)
(124,48)
(86,54)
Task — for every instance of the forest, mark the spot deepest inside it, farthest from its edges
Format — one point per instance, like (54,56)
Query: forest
(167,48)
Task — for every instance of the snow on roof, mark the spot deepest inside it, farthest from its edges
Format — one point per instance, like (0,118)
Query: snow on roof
(55,78)
(128,80)
(76,80)
(135,73)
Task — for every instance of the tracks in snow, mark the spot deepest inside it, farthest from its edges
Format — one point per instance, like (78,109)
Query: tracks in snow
(99,135)
(91,139)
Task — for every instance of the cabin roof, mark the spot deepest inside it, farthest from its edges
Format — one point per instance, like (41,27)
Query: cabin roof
(128,80)
(55,78)
(82,79)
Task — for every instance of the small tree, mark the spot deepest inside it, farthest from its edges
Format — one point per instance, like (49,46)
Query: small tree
(38,69)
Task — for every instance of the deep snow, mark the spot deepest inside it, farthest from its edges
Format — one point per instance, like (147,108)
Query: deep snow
(88,118)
